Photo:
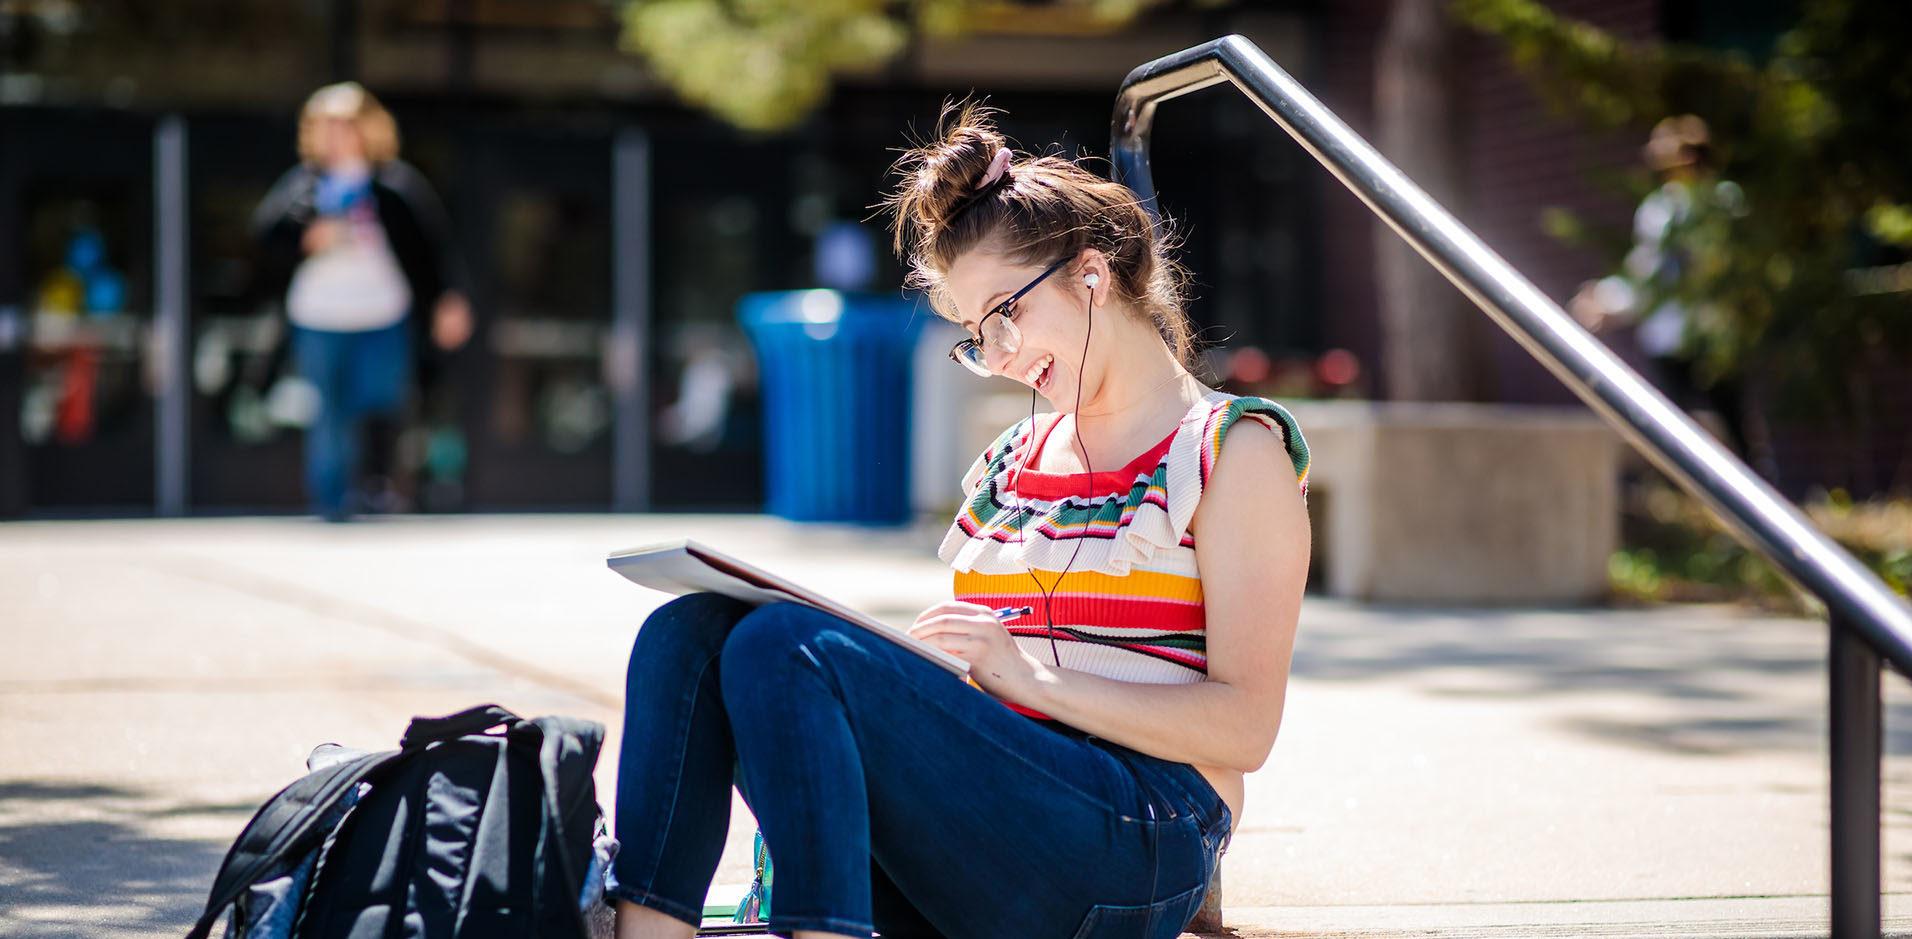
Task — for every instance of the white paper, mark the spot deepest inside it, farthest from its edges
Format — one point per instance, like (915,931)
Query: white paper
(685,566)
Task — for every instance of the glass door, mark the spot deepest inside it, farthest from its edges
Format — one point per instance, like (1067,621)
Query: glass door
(534,210)
(76,197)
(728,218)
(244,459)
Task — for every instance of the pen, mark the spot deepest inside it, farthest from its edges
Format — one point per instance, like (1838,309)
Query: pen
(1003,614)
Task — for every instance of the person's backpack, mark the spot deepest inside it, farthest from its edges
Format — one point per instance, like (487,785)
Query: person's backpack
(458,832)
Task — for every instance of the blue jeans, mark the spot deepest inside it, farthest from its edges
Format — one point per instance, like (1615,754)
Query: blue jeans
(357,374)
(892,795)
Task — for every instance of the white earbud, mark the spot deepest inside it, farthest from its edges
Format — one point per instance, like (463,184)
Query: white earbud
(1091,279)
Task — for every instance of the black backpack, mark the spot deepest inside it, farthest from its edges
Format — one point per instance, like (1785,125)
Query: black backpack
(461,833)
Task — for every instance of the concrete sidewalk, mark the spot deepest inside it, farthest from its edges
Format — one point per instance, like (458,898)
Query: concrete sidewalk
(1439,772)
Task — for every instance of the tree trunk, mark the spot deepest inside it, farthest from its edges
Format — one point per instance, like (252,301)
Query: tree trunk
(1433,344)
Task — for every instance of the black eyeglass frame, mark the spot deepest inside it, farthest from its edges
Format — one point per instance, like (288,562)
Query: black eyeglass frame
(1005,309)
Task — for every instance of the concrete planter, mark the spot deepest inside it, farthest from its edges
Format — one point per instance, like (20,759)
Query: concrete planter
(1461,503)
(1444,503)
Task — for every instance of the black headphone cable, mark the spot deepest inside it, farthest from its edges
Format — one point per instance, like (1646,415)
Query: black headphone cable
(1048,593)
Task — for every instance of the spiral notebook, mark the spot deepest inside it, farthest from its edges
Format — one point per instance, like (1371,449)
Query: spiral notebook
(685,566)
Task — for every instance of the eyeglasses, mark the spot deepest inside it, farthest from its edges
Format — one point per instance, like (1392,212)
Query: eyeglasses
(997,329)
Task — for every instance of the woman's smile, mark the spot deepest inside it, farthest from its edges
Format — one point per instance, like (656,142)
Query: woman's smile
(1039,373)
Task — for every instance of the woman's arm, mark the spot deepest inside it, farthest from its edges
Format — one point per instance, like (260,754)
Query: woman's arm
(1252,549)
(421,232)
(278,226)
(421,236)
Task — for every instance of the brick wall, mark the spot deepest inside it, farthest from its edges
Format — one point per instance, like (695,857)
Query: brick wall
(1517,158)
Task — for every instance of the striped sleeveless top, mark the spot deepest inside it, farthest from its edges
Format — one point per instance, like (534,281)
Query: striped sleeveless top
(1130,607)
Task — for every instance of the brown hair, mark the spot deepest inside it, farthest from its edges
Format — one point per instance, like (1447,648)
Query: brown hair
(351,101)
(1046,208)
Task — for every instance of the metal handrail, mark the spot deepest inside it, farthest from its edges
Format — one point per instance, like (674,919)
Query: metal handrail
(1653,424)
(1860,604)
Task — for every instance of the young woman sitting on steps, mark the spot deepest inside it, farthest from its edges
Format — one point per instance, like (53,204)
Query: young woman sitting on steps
(1090,785)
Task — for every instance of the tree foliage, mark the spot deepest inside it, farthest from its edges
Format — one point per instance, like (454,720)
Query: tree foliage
(1791,285)
(765,64)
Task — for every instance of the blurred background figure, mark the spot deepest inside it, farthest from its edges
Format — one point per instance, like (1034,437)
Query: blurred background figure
(87,286)
(1644,294)
(362,243)
(702,418)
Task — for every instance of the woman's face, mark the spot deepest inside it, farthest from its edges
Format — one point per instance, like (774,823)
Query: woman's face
(339,142)
(1049,318)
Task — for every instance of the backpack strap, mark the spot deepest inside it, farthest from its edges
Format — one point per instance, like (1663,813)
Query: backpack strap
(566,756)
(567,750)
(286,827)
(424,730)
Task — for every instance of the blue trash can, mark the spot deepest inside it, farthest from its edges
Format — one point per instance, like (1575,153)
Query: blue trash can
(835,369)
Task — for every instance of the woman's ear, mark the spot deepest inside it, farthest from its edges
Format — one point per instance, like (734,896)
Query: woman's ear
(1092,272)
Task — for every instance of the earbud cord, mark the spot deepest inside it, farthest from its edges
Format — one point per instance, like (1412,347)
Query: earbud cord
(1048,593)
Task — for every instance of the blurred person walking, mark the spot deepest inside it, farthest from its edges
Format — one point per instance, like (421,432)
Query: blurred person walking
(1645,294)
(362,245)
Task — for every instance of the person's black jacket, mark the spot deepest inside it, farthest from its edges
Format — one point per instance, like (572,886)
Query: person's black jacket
(415,225)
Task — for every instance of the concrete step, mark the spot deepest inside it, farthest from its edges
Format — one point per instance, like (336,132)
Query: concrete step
(1693,918)
(1723,917)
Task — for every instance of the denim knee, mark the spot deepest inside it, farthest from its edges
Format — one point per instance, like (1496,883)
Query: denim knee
(681,636)
(767,633)
(768,643)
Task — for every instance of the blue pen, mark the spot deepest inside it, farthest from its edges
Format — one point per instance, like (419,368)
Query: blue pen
(1011,612)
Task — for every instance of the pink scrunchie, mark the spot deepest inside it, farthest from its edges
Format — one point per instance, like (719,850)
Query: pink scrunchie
(997,165)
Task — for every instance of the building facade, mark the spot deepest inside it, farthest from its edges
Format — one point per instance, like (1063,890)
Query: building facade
(609,232)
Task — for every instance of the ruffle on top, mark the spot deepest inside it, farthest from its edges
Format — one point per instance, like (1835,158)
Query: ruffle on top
(1141,510)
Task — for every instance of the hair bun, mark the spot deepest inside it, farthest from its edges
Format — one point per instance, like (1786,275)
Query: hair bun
(945,204)
(939,177)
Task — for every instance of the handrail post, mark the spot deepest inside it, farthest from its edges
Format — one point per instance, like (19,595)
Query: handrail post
(1870,624)
(1854,730)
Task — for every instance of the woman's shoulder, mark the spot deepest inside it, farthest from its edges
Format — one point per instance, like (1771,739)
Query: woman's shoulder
(293,187)
(995,457)
(1225,412)
(1012,436)
(298,174)
(401,176)
(412,192)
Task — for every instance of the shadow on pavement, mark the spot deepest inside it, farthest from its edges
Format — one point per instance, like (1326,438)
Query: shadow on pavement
(96,860)
(1715,681)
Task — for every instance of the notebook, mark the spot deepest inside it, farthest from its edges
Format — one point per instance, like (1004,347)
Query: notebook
(685,566)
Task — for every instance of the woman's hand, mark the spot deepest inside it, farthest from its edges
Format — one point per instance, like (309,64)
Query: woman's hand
(971,632)
(451,320)
(323,235)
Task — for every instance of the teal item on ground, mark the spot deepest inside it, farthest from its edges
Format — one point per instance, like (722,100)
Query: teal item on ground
(755,906)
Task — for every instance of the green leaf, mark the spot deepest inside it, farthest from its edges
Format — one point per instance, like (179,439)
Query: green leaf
(766,64)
